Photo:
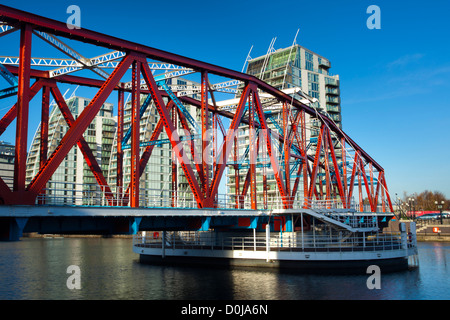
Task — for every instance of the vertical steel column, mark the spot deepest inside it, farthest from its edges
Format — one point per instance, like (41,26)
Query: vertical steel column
(336,169)
(387,193)
(135,132)
(361,201)
(312,184)
(43,150)
(119,137)
(305,155)
(75,133)
(214,140)
(12,113)
(215,118)
(326,146)
(23,98)
(231,134)
(252,151)
(205,136)
(88,155)
(352,178)
(273,159)
(369,195)
(174,161)
(287,148)
(344,173)
(264,173)
(236,172)
(44,126)
(171,132)
(191,143)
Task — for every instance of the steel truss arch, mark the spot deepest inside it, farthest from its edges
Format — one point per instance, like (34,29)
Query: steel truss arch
(329,167)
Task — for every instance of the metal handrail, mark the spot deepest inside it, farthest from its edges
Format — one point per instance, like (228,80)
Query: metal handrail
(291,241)
(70,193)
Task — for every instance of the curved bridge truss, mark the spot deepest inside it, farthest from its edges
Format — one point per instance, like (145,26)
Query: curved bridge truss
(330,167)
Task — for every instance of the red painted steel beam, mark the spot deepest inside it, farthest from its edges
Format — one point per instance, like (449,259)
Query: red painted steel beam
(326,146)
(119,137)
(195,157)
(69,79)
(375,198)
(344,171)
(336,170)
(352,178)
(97,83)
(287,148)
(149,149)
(43,150)
(135,133)
(23,98)
(236,172)
(12,15)
(387,193)
(5,193)
(147,152)
(252,150)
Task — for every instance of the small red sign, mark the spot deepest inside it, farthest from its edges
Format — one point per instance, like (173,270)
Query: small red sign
(436,230)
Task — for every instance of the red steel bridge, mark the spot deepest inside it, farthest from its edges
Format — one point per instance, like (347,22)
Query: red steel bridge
(329,171)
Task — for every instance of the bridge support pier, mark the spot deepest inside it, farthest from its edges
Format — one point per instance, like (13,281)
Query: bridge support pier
(134,223)
(11,229)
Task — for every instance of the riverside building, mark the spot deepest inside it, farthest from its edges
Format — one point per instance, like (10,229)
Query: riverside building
(291,69)
(73,182)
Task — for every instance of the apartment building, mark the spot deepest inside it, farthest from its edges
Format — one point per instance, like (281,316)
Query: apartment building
(287,69)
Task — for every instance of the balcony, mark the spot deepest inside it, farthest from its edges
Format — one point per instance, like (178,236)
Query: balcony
(334,100)
(332,91)
(333,108)
(331,82)
(324,63)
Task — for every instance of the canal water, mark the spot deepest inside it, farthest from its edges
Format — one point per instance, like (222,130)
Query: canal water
(37,268)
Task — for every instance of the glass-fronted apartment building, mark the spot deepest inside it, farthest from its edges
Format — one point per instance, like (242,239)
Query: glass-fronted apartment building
(297,66)
(285,69)
(73,182)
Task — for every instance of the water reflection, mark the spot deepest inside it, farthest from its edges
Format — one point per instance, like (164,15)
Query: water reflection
(36,269)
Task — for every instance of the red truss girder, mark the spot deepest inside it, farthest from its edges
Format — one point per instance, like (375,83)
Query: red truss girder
(294,135)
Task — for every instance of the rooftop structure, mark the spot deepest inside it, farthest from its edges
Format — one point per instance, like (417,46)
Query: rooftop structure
(300,73)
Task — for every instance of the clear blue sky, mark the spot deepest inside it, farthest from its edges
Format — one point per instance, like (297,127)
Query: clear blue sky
(394,81)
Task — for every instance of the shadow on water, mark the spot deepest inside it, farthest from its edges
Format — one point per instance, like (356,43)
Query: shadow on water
(249,283)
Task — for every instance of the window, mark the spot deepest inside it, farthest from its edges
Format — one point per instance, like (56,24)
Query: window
(309,61)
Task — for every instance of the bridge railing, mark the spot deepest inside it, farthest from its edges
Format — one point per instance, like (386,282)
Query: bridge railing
(75,194)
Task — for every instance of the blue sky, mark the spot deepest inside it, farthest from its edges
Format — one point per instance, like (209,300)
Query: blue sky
(394,81)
